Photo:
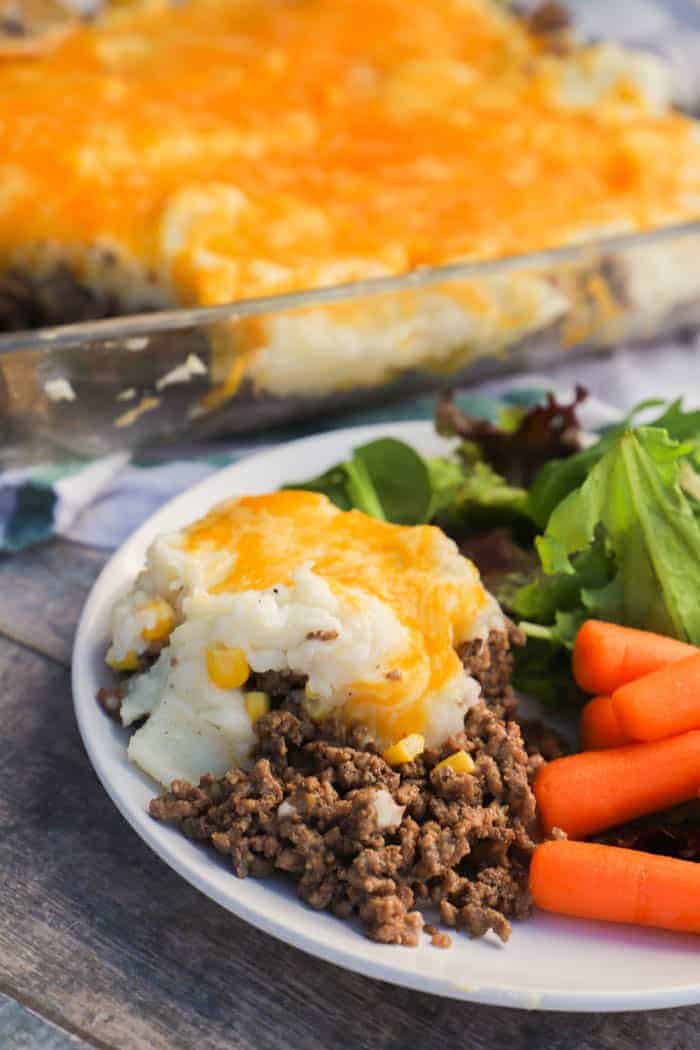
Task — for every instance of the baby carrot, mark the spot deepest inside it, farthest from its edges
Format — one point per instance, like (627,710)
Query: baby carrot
(599,727)
(591,881)
(663,703)
(607,656)
(594,790)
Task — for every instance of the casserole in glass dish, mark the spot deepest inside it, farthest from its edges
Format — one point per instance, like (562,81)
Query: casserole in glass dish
(320,203)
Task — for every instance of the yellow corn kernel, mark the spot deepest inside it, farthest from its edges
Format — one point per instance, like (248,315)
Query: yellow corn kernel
(130,662)
(405,750)
(227,666)
(460,762)
(163,623)
(256,704)
(316,707)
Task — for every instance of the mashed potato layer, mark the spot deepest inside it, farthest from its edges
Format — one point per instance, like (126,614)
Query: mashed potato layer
(366,613)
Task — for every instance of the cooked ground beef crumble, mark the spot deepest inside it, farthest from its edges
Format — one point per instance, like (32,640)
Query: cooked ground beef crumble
(58,296)
(308,806)
(490,661)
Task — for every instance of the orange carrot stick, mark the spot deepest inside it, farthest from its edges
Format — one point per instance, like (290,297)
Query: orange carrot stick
(599,727)
(663,703)
(607,656)
(592,881)
(589,792)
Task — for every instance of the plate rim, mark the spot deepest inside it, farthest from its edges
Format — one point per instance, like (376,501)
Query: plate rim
(170,850)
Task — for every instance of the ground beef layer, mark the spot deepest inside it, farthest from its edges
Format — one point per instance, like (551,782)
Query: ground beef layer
(58,296)
(463,842)
(490,661)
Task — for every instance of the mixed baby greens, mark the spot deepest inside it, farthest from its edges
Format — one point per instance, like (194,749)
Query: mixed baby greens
(389,480)
(615,525)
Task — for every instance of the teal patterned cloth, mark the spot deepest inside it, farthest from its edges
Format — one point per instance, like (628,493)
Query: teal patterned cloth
(101,501)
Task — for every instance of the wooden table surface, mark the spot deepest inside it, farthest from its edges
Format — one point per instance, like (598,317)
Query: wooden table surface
(101,945)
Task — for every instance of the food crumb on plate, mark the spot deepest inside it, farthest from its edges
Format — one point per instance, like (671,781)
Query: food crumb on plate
(438,938)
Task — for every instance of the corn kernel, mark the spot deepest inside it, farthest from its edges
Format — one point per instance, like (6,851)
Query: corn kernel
(256,704)
(317,707)
(130,662)
(460,762)
(227,667)
(163,624)
(405,750)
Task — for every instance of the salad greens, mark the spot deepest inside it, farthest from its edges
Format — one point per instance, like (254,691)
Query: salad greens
(559,477)
(522,441)
(632,506)
(389,480)
(622,546)
(619,520)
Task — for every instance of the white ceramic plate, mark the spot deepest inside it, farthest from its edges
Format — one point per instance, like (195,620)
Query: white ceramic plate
(550,963)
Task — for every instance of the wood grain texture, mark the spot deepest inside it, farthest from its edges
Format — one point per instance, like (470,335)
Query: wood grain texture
(42,591)
(98,935)
(20,1029)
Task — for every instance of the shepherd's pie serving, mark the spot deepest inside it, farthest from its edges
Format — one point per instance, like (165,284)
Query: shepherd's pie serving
(326,694)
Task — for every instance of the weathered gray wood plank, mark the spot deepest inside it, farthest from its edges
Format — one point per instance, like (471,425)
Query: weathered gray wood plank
(42,591)
(20,1029)
(98,935)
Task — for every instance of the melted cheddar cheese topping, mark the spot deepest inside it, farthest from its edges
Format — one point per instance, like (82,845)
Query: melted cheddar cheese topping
(415,572)
(246,147)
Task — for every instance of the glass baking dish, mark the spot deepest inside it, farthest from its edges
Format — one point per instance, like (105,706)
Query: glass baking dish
(91,388)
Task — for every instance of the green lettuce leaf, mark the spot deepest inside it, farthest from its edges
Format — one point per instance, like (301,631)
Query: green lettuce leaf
(389,480)
(485,500)
(386,479)
(446,478)
(634,495)
(623,546)
(544,595)
(559,477)
(333,483)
